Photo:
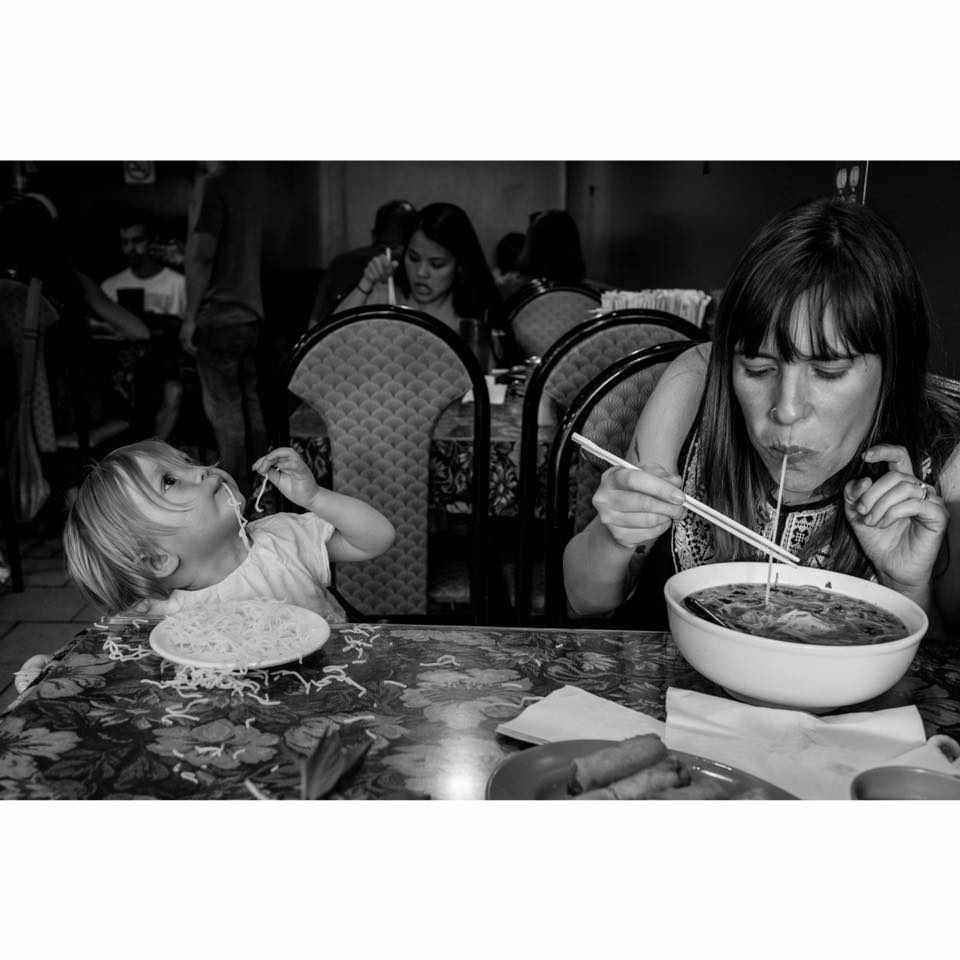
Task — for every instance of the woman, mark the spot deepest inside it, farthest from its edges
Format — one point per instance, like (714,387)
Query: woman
(819,356)
(552,250)
(443,272)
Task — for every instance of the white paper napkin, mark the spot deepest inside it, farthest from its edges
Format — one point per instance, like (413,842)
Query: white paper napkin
(811,757)
(497,392)
(574,714)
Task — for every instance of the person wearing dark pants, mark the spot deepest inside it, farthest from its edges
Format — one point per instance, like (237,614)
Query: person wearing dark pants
(225,312)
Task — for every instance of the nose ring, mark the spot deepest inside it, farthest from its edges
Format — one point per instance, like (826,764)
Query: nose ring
(773,412)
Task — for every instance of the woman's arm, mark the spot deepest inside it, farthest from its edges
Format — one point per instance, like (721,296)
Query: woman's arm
(601,564)
(372,287)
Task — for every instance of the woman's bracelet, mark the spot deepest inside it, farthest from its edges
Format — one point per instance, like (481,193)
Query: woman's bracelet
(366,293)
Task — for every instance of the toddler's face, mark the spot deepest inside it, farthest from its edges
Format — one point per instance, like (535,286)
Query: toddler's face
(197,502)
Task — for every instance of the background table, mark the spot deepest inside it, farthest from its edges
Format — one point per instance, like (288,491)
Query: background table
(431,699)
(450,453)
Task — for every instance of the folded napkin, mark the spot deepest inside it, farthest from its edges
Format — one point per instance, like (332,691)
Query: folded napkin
(497,391)
(812,757)
(573,714)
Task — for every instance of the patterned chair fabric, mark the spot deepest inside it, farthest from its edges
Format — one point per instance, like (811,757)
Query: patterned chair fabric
(13,307)
(610,424)
(593,354)
(565,370)
(380,383)
(540,320)
(605,411)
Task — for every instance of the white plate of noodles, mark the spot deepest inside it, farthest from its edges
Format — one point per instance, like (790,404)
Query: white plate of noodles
(240,635)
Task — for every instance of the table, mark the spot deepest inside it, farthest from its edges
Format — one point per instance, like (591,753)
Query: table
(450,452)
(430,701)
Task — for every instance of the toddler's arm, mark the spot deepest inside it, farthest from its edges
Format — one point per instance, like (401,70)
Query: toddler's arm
(361,531)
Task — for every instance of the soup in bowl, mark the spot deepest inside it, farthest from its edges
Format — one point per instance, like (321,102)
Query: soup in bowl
(825,640)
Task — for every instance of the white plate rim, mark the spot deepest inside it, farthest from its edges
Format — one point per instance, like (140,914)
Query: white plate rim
(161,644)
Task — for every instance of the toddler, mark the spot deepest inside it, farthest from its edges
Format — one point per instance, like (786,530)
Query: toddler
(152,533)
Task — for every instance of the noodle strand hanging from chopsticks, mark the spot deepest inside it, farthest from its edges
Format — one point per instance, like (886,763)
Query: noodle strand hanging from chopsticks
(776,524)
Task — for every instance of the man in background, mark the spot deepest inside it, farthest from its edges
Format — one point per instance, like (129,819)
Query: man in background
(164,289)
(158,295)
(391,228)
(225,311)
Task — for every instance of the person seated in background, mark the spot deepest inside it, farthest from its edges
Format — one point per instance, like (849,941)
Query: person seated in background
(162,294)
(551,250)
(153,533)
(443,272)
(164,289)
(392,227)
(505,255)
(817,374)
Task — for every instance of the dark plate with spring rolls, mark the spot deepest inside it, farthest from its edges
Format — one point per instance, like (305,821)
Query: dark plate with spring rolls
(640,768)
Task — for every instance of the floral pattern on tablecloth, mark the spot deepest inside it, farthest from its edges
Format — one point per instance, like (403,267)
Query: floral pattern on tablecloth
(428,698)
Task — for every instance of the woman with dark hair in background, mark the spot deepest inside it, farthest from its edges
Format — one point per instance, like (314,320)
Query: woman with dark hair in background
(817,370)
(552,250)
(443,272)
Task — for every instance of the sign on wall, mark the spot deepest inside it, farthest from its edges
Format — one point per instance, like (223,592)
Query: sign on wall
(850,180)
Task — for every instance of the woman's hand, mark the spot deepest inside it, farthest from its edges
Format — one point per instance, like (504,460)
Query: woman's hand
(378,270)
(636,507)
(899,521)
(286,470)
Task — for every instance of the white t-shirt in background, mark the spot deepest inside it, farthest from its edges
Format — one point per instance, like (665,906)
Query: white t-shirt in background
(165,292)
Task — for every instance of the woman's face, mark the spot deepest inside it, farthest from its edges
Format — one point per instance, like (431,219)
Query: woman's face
(430,269)
(816,410)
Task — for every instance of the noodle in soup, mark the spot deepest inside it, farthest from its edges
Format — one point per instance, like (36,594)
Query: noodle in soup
(801,614)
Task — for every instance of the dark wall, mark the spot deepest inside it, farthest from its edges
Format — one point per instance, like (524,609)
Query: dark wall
(680,223)
(922,201)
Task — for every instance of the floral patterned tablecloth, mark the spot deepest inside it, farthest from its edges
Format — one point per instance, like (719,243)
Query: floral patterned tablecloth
(428,698)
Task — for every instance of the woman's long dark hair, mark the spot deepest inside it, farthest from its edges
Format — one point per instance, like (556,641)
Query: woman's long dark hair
(475,294)
(552,249)
(827,253)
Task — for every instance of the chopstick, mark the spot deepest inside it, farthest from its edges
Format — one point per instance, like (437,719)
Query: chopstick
(391,293)
(708,513)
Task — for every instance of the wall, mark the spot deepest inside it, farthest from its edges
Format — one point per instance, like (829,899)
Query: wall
(922,201)
(498,196)
(680,224)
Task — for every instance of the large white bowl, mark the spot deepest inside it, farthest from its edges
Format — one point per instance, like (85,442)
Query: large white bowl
(804,676)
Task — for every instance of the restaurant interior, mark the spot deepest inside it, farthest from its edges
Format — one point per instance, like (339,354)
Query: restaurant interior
(476,469)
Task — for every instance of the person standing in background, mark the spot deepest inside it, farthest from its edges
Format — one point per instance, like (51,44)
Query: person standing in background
(225,311)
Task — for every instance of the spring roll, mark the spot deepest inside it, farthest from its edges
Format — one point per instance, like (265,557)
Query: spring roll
(614,763)
(665,774)
(705,788)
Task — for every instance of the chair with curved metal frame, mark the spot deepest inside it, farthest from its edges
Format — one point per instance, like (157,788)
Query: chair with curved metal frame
(543,311)
(606,412)
(566,368)
(380,376)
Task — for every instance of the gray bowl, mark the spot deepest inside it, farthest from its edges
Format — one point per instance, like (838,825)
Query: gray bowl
(904,783)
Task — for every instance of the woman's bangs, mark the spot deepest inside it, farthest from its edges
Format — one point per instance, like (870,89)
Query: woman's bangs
(842,322)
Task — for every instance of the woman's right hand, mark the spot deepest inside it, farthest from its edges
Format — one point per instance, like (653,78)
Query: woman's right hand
(378,270)
(636,507)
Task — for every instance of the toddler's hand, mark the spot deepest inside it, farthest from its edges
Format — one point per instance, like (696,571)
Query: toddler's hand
(285,469)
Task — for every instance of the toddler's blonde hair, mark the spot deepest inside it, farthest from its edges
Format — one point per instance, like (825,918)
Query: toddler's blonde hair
(107,539)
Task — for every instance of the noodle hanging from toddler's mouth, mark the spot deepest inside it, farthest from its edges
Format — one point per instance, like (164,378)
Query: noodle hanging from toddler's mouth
(776,524)
(235,503)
